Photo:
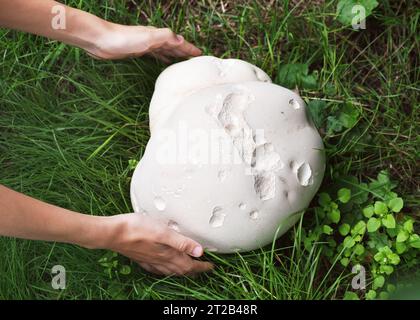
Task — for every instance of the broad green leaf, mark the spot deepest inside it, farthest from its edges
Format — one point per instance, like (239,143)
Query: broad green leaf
(382,185)
(358,249)
(334,215)
(400,247)
(402,235)
(380,208)
(348,242)
(368,211)
(349,115)
(359,191)
(380,257)
(394,258)
(344,261)
(409,225)
(384,295)
(294,75)
(289,75)
(389,221)
(391,288)
(389,196)
(317,109)
(308,244)
(392,232)
(309,81)
(327,229)
(378,240)
(387,269)
(373,224)
(324,199)
(344,229)
(344,195)
(349,295)
(414,241)
(396,204)
(348,12)
(347,252)
(378,282)
(383,255)
(359,228)
(370,295)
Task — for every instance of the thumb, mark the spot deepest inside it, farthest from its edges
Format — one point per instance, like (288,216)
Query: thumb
(183,244)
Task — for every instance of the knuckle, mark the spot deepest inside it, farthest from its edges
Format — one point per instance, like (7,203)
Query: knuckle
(183,246)
(167,31)
(161,253)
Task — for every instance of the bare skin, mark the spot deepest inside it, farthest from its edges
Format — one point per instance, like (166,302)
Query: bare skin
(153,245)
(96,36)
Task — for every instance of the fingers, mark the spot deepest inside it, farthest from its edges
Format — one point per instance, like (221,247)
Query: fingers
(183,244)
(172,44)
(163,269)
(160,57)
(184,264)
(173,262)
(149,268)
(187,48)
(157,269)
(200,266)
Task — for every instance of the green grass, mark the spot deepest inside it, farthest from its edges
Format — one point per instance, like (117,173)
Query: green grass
(69,124)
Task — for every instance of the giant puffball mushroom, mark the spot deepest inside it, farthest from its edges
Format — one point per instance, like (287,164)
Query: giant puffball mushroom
(233,160)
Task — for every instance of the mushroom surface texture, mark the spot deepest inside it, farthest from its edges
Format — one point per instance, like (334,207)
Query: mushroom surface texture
(233,159)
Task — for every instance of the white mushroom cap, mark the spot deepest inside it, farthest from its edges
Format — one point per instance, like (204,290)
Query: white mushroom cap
(231,158)
(184,78)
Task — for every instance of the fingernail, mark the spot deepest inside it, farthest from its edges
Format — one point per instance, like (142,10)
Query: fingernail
(197,252)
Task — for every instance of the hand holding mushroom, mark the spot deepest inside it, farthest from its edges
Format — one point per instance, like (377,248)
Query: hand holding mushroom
(153,245)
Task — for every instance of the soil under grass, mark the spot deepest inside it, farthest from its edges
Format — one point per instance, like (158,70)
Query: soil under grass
(69,125)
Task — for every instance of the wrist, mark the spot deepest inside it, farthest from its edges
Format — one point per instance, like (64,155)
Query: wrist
(102,232)
(86,30)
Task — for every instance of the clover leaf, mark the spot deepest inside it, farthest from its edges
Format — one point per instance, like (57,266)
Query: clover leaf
(373,224)
(380,208)
(396,204)
(388,221)
(344,195)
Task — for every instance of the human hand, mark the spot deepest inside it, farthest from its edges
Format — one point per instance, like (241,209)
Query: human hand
(153,245)
(98,37)
(120,41)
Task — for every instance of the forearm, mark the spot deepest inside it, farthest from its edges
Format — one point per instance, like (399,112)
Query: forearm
(24,217)
(36,16)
